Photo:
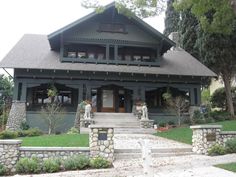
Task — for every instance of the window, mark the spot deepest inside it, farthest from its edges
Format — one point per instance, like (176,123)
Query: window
(137,58)
(100,56)
(112,27)
(127,57)
(71,54)
(91,55)
(81,54)
(146,57)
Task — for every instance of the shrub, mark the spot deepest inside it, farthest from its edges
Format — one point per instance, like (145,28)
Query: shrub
(99,162)
(24,126)
(218,98)
(220,115)
(8,134)
(230,146)
(171,123)
(73,130)
(2,170)
(76,162)
(51,165)
(28,165)
(162,124)
(198,117)
(216,150)
(30,132)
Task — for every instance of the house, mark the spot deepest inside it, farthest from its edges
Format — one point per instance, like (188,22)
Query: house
(110,59)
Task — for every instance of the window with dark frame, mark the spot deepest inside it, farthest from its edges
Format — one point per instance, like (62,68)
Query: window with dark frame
(112,27)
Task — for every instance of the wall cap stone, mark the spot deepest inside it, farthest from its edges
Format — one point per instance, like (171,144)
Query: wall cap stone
(101,126)
(148,120)
(228,133)
(206,126)
(10,141)
(17,101)
(24,148)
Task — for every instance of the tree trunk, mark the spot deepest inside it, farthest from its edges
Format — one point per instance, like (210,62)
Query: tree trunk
(229,99)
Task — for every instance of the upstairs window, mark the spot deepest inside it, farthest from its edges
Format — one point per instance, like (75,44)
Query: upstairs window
(112,27)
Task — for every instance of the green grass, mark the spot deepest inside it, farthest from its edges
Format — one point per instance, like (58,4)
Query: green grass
(228,166)
(184,134)
(63,140)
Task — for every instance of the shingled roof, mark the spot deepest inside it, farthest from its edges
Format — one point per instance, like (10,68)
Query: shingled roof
(34,52)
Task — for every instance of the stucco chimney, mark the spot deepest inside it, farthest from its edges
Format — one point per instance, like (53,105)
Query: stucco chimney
(174,36)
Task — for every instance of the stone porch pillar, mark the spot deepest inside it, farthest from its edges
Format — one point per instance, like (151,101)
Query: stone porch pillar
(17,115)
(101,142)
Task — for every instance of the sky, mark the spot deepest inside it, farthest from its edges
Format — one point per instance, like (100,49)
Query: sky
(19,17)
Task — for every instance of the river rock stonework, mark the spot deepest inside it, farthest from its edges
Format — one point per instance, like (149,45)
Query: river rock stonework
(17,115)
(43,153)
(9,154)
(205,136)
(146,123)
(101,142)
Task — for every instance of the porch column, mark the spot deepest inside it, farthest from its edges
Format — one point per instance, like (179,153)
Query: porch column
(15,90)
(115,52)
(80,94)
(88,92)
(135,94)
(192,100)
(142,94)
(23,92)
(107,51)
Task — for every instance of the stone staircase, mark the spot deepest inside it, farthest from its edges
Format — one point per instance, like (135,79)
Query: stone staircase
(123,123)
(157,152)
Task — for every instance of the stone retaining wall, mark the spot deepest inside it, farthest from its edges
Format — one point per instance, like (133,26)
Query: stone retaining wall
(205,136)
(101,142)
(44,153)
(146,123)
(9,153)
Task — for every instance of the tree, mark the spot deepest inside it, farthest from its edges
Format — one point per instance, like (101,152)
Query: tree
(52,112)
(215,16)
(6,89)
(218,52)
(171,19)
(188,28)
(177,103)
(142,8)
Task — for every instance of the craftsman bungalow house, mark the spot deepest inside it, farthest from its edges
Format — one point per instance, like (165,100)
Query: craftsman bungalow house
(108,58)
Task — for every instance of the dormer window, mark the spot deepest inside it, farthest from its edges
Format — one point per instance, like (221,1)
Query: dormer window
(112,27)
(81,54)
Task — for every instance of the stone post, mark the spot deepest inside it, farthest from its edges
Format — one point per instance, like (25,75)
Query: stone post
(17,115)
(9,154)
(204,137)
(101,142)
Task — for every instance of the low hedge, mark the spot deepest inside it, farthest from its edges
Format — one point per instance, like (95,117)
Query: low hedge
(8,134)
(77,162)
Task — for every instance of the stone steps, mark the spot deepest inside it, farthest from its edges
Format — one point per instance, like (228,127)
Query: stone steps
(159,152)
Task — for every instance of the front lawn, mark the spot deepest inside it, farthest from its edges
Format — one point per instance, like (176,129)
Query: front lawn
(228,166)
(63,140)
(184,134)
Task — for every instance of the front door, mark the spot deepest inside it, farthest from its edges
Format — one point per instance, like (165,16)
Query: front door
(108,103)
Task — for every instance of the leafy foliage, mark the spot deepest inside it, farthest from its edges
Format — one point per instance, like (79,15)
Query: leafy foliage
(171,19)
(142,8)
(76,162)
(216,150)
(230,146)
(51,165)
(214,16)
(2,170)
(28,165)
(8,134)
(73,130)
(99,162)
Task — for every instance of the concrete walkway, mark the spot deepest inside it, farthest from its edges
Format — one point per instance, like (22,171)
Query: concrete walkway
(130,141)
(174,166)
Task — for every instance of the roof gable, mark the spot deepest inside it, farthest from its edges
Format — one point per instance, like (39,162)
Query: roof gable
(144,30)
